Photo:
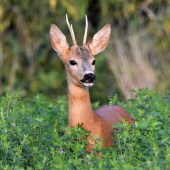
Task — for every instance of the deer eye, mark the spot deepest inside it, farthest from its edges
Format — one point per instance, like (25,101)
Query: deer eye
(93,63)
(72,62)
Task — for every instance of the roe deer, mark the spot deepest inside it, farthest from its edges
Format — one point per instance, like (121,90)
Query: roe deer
(79,64)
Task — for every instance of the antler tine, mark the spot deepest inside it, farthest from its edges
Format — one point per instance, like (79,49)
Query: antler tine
(71,31)
(73,36)
(85,33)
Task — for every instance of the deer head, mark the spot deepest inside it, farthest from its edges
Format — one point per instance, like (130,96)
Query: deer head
(79,61)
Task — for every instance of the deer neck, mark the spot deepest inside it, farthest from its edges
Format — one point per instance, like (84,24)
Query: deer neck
(79,106)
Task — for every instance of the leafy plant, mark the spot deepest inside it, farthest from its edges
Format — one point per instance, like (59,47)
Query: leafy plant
(34,135)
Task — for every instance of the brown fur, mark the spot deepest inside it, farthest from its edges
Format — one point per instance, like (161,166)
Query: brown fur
(99,122)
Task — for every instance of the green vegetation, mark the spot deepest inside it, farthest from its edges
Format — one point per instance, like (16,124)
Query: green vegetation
(32,132)
(137,54)
(32,135)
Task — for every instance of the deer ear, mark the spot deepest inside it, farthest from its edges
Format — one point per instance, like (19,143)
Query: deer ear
(100,40)
(58,40)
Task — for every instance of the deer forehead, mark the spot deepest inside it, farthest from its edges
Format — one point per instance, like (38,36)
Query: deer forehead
(81,52)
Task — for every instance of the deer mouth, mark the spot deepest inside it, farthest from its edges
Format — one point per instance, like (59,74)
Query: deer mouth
(89,79)
(87,82)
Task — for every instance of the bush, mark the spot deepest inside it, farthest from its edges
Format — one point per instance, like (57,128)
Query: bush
(33,135)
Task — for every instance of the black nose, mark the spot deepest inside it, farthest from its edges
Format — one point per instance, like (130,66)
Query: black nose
(89,78)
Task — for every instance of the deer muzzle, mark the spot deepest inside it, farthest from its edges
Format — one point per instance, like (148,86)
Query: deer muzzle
(89,78)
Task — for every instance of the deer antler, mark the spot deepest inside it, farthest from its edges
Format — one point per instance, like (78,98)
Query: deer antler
(85,33)
(71,31)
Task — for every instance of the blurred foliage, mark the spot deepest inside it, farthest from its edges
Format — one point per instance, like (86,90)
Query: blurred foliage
(29,64)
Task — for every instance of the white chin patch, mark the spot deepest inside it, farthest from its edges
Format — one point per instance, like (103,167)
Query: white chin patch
(88,84)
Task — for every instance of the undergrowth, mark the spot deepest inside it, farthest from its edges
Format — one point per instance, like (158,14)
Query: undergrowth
(33,136)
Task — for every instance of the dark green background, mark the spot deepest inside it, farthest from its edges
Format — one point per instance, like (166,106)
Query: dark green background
(29,65)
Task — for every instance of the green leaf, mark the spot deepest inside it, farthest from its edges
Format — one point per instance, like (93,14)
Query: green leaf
(133,90)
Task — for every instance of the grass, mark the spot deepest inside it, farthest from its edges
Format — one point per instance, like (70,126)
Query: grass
(32,135)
